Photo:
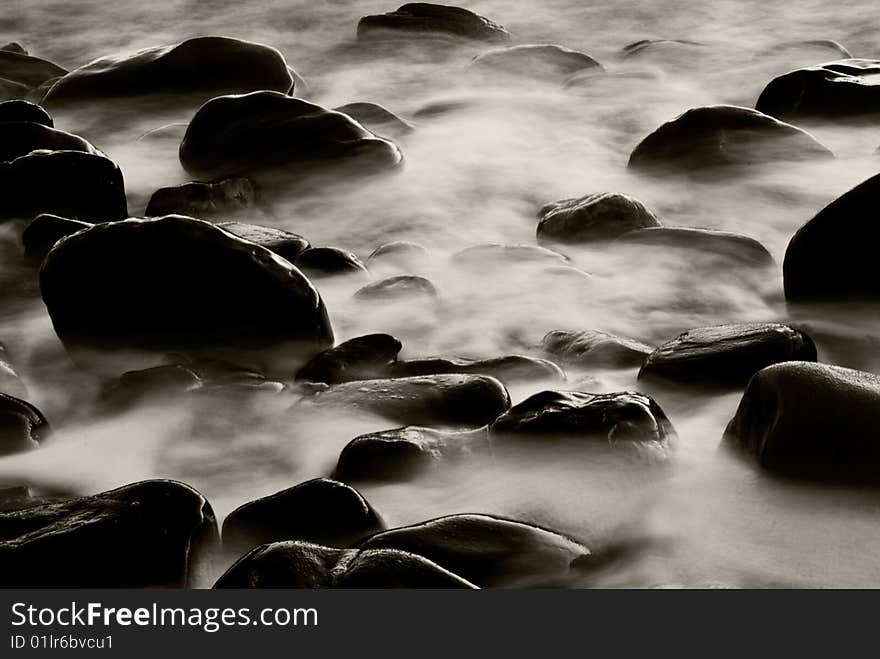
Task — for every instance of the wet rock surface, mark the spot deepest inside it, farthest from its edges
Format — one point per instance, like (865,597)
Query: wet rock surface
(547,62)
(20,110)
(285,244)
(41,234)
(361,358)
(726,245)
(425,19)
(22,426)
(595,217)
(397,287)
(507,369)
(202,199)
(594,348)
(328,261)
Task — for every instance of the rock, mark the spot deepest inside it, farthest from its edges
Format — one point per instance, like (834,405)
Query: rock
(377,118)
(729,246)
(600,216)
(421,18)
(24,111)
(595,348)
(455,399)
(284,243)
(488,551)
(22,427)
(328,261)
(507,369)
(361,358)
(14,47)
(13,91)
(546,62)
(19,138)
(195,70)
(296,564)
(322,511)
(82,186)
(655,46)
(831,257)
(270,137)
(202,199)
(616,417)
(400,286)
(150,533)
(489,255)
(723,135)
(25,70)
(837,89)
(168,381)
(401,453)
(809,420)
(179,284)
(727,355)
(401,254)
(14,497)
(45,230)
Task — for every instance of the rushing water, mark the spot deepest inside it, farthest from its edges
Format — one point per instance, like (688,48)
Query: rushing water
(477,174)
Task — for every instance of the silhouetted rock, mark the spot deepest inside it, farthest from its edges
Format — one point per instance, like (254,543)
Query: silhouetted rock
(284,243)
(595,348)
(202,199)
(145,534)
(424,18)
(361,358)
(509,368)
(168,381)
(600,216)
(45,230)
(328,261)
(22,426)
(730,246)
(810,420)
(19,138)
(397,287)
(14,47)
(546,62)
(727,355)
(13,91)
(720,135)
(25,70)
(20,110)
(377,118)
(15,497)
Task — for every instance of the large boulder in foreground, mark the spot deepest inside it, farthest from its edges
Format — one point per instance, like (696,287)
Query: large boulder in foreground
(199,68)
(150,533)
(845,88)
(176,284)
(727,355)
(268,136)
(809,420)
(831,258)
(22,426)
(722,135)
(546,62)
(422,18)
(594,217)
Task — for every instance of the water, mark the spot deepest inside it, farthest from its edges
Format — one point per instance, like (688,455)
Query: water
(478,174)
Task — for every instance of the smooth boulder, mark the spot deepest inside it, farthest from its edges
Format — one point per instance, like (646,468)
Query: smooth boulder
(397,287)
(328,261)
(202,199)
(41,234)
(422,18)
(594,217)
(510,368)
(20,110)
(286,244)
(22,426)
(594,348)
(19,138)
(361,358)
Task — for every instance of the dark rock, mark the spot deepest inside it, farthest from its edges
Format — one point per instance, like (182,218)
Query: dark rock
(402,254)
(401,453)
(400,286)
(595,348)
(489,255)
(22,427)
(24,111)
(168,381)
(202,199)
(26,70)
(832,256)
(14,497)
(13,91)
(724,244)
(600,216)
(653,46)
(198,69)
(14,47)
(455,399)
(507,369)
(145,534)
(615,417)
(19,138)
(83,186)
(179,284)
(321,510)
(45,230)
(727,355)
(272,137)
(284,243)
(328,261)
(543,61)
(377,118)
(421,18)
(810,420)
(488,551)
(721,135)
(838,89)
(361,358)
(295,564)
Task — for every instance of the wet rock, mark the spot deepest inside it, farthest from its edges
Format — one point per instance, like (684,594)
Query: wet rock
(653,47)
(401,254)
(24,111)
(45,230)
(832,256)
(19,138)
(82,186)
(613,418)
(285,244)
(421,18)
(202,199)
(328,261)
(22,427)
(727,355)
(11,91)
(401,453)
(546,62)
(837,89)
(321,510)
(488,551)
(733,247)
(400,286)
(491,254)
(22,69)
(14,497)
(809,420)
(296,564)
(196,69)
(377,118)
(270,137)
(361,358)
(455,399)
(595,348)
(145,534)
(600,216)
(213,294)
(14,47)
(723,135)
(168,381)
(510,368)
